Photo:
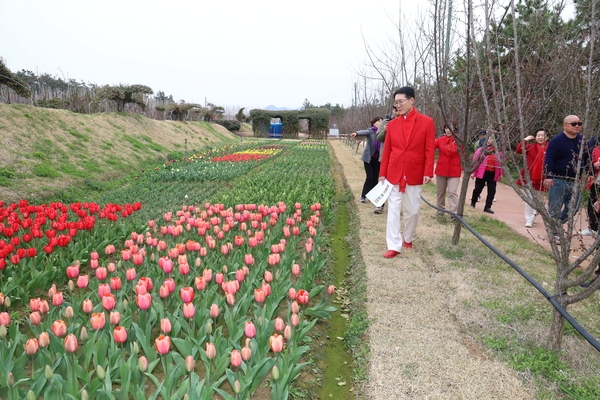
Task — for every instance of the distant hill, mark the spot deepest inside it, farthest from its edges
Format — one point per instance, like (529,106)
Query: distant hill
(271,107)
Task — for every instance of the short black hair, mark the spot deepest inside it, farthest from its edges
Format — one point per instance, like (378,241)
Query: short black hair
(373,120)
(481,133)
(407,91)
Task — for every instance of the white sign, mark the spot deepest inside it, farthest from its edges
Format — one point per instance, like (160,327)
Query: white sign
(379,194)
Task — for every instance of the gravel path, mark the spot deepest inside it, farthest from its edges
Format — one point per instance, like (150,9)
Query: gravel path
(418,350)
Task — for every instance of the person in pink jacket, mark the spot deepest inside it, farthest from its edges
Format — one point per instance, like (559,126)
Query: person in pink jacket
(488,173)
(448,170)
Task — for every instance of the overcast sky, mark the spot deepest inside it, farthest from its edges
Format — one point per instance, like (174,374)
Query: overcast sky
(233,53)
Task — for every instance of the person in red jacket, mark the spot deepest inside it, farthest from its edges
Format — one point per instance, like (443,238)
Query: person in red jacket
(534,148)
(448,170)
(407,163)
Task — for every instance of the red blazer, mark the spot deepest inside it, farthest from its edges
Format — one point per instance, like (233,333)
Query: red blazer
(408,154)
(448,162)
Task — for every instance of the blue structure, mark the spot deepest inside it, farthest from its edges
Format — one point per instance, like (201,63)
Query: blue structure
(276,130)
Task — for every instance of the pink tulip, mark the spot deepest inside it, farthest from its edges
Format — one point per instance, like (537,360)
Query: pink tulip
(200,283)
(295,307)
(276,343)
(331,289)
(295,230)
(240,275)
(44,307)
(52,290)
(249,329)
(246,353)
(295,319)
(214,311)
(144,301)
(184,269)
(219,278)
(186,294)
(287,332)
(140,288)
(114,318)
(120,334)
(165,325)
(235,358)
(82,281)
(207,274)
(35,318)
(31,346)
(138,259)
(143,363)
(278,324)
(94,264)
(170,283)
(147,282)
(230,299)
(103,290)
(292,293)
(109,249)
(115,283)
(295,269)
(59,328)
(111,267)
(266,288)
(4,319)
(73,271)
(268,276)
(71,344)
(162,344)
(189,310)
(98,320)
(130,274)
(87,306)
(34,304)
(211,351)
(44,339)
(190,364)
(166,265)
(109,302)
(248,259)
(57,299)
(101,273)
(259,296)
(164,291)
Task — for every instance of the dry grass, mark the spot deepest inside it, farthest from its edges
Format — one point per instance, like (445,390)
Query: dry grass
(437,311)
(49,149)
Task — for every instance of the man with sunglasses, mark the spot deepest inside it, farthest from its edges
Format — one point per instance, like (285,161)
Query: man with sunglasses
(560,164)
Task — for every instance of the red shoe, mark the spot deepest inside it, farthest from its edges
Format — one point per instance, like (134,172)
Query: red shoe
(407,245)
(391,253)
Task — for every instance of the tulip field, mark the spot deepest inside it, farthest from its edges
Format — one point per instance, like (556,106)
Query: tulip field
(202,279)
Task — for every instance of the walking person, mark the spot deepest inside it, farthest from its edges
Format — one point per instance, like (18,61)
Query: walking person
(560,164)
(534,147)
(448,170)
(592,205)
(370,156)
(381,139)
(487,174)
(407,164)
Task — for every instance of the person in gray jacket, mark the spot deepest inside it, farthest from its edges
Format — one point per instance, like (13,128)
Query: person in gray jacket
(370,156)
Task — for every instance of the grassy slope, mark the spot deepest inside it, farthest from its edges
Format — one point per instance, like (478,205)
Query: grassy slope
(56,154)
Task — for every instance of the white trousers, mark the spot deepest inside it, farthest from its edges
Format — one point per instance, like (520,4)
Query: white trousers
(411,200)
(531,212)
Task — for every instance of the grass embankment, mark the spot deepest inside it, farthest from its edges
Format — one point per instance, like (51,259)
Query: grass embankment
(56,154)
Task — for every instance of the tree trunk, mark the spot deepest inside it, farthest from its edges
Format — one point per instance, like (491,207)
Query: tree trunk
(556,331)
(461,207)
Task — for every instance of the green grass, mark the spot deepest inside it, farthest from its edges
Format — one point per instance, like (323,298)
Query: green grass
(74,132)
(45,171)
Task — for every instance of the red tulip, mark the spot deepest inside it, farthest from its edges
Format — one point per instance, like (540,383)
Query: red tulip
(98,320)
(302,296)
(120,334)
(31,346)
(276,342)
(162,344)
(59,328)
(235,358)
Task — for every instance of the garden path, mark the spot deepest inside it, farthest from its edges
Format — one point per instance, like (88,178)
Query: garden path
(418,348)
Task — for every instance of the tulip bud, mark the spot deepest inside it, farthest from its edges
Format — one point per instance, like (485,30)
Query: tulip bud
(190,363)
(7,302)
(69,312)
(100,372)
(186,397)
(125,303)
(208,327)
(136,348)
(11,379)
(30,395)
(2,332)
(260,321)
(237,387)
(142,363)
(71,285)
(275,372)
(83,334)
(48,373)
(84,395)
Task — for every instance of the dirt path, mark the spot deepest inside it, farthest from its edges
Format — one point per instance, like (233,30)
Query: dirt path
(418,350)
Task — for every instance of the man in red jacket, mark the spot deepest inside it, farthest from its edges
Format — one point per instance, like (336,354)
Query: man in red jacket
(407,164)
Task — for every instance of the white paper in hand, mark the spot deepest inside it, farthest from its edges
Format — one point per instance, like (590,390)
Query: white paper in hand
(379,194)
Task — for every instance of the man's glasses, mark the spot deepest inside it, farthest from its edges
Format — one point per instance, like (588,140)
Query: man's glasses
(574,124)
(400,102)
